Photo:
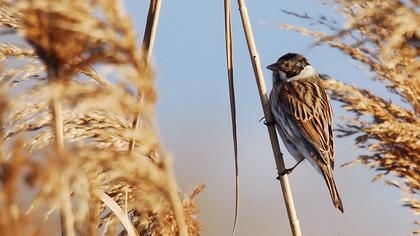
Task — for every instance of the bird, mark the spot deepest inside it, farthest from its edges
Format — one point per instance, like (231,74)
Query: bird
(303,117)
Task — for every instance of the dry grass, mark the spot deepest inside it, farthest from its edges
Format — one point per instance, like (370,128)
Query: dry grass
(48,90)
(383,36)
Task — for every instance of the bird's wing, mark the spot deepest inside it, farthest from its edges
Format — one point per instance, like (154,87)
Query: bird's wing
(307,102)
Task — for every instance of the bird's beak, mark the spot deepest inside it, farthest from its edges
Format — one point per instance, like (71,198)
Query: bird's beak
(272,67)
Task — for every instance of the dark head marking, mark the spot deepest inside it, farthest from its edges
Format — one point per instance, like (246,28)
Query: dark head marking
(290,64)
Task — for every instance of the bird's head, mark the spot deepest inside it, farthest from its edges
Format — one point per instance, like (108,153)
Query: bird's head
(291,66)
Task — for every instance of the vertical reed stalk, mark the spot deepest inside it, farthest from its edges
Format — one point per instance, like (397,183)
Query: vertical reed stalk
(174,198)
(229,66)
(66,215)
(278,155)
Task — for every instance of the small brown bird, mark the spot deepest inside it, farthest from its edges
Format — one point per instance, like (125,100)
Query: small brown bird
(303,116)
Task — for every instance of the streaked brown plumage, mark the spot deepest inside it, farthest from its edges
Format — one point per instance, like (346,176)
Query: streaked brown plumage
(303,116)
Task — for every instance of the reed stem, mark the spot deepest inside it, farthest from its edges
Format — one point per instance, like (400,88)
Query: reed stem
(66,214)
(147,46)
(229,66)
(174,198)
(278,155)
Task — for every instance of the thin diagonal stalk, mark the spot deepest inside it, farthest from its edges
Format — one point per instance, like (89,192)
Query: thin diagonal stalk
(151,27)
(229,66)
(118,212)
(278,155)
(147,46)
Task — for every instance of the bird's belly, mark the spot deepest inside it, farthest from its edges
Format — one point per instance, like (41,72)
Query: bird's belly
(289,143)
(291,148)
(295,143)
(304,151)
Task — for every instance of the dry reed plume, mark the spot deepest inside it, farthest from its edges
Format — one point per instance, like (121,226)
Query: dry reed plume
(383,36)
(66,128)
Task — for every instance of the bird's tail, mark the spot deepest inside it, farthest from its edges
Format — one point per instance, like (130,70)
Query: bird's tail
(335,197)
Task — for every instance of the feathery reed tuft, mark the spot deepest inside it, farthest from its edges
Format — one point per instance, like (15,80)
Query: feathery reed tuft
(49,86)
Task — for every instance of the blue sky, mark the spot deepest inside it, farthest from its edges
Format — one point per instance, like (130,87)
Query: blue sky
(194,119)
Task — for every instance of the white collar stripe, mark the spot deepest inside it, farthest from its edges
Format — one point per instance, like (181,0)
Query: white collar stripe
(307,72)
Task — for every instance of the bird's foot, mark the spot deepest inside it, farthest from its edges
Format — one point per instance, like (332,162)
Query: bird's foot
(284,172)
(287,171)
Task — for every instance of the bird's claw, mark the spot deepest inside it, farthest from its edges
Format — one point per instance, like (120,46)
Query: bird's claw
(287,171)
(284,172)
